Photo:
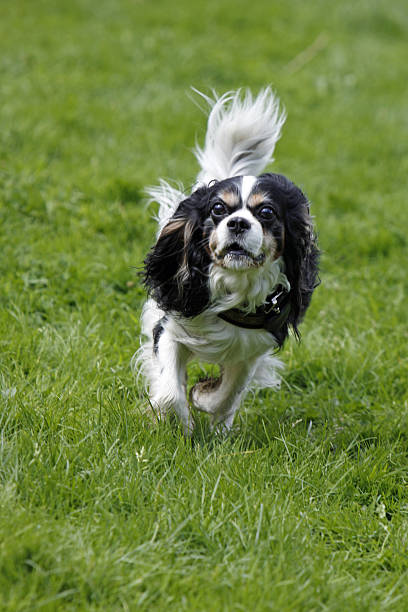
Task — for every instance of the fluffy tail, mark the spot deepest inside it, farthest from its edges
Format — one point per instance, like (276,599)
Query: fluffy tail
(241,134)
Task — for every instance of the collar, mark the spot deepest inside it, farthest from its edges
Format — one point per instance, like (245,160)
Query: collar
(271,315)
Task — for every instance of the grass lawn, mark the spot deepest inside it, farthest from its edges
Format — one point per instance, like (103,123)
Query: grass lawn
(305,505)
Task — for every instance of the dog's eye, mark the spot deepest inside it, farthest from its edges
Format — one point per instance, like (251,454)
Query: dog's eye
(266,212)
(218,210)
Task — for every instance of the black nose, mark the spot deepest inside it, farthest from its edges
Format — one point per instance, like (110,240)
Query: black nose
(238,225)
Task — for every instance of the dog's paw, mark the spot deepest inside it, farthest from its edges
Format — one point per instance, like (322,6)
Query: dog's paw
(203,394)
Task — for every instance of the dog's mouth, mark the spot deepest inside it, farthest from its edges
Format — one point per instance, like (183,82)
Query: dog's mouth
(236,250)
(235,255)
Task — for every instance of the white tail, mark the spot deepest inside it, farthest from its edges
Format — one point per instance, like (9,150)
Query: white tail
(242,132)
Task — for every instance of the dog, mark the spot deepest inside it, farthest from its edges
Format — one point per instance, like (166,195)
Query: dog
(233,268)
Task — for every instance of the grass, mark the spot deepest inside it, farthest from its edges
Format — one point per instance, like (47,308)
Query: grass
(305,506)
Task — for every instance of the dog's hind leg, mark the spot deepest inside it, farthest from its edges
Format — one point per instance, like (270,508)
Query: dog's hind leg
(222,398)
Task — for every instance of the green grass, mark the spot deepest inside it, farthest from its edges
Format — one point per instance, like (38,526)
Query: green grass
(305,506)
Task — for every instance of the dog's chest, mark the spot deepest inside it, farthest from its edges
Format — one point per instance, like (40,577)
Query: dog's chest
(211,339)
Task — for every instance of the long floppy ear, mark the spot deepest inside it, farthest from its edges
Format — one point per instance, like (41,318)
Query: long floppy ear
(301,253)
(176,269)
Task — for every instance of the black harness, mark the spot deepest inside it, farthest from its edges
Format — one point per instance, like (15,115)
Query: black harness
(271,315)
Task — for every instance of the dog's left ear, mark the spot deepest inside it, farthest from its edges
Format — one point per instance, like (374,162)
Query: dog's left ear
(176,269)
(300,251)
(301,254)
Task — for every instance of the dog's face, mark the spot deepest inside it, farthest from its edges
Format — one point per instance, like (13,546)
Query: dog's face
(239,224)
(244,225)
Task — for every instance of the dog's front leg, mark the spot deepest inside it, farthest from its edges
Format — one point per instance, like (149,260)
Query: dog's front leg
(168,381)
(221,398)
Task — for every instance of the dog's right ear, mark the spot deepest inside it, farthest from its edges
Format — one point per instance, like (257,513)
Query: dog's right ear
(176,269)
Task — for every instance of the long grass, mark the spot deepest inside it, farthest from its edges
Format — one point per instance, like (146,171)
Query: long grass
(305,505)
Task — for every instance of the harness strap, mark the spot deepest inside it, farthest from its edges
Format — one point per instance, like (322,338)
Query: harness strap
(271,315)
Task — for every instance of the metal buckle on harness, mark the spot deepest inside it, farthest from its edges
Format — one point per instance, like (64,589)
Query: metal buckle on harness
(272,302)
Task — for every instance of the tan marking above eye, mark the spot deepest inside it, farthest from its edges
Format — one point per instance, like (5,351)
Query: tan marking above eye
(230,198)
(255,199)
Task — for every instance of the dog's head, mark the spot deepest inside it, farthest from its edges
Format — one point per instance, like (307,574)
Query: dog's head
(245,225)
(240,224)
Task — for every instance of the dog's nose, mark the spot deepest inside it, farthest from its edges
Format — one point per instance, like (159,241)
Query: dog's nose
(238,225)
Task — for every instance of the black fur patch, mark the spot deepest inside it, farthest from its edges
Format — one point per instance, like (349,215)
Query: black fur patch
(158,329)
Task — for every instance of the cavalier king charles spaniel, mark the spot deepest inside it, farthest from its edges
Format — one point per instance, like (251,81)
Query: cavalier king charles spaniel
(233,268)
